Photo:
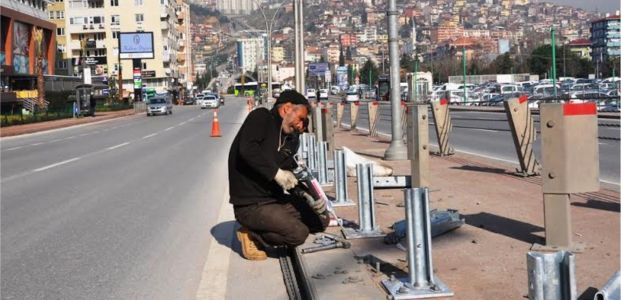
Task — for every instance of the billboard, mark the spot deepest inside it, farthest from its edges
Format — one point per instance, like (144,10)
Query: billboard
(341,77)
(317,69)
(135,45)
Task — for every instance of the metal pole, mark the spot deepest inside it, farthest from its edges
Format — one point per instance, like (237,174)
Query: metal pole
(340,180)
(463,63)
(299,45)
(397,149)
(312,152)
(553,61)
(323,161)
(365,206)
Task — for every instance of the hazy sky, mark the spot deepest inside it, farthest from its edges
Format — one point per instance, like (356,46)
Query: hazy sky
(600,5)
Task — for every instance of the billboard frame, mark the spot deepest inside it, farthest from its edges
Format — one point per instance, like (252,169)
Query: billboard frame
(136,55)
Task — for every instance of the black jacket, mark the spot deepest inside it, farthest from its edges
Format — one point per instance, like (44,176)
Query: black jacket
(254,158)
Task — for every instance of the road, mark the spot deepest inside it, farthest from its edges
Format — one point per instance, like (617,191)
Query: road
(488,134)
(115,210)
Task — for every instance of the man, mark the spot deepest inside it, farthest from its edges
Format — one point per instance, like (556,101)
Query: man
(262,186)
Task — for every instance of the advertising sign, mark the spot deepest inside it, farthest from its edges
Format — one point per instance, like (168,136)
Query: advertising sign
(148,74)
(341,77)
(317,69)
(136,45)
(137,79)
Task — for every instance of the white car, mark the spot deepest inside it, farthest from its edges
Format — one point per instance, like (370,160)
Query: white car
(210,101)
(323,94)
(311,94)
(352,96)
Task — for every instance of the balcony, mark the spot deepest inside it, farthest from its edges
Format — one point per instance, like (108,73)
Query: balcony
(180,15)
(164,25)
(80,28)
(180,57)
(166,57)
(181,44)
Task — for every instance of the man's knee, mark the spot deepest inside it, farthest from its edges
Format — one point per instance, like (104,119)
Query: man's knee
(297,235)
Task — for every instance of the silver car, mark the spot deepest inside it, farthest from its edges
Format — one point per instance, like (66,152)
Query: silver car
(159,105)
(210,101)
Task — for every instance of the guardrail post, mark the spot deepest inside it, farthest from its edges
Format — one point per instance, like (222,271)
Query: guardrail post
(421,282)
(551,276)
(353,111)
(524,135)
(374,116)
(340,180)
(340,109)
(312,153)
(443,125)
(328,127)
(404,120)
(317,124)
(570,165)
(323,163)
(418,143)
(366,206)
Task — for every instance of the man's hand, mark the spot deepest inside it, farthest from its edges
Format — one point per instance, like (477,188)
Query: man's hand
(286,179)
(319,205)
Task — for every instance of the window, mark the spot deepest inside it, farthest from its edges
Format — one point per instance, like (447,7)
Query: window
(51,15)
(115,34)
(114,2)
(60,14)
(144,65)
(60,31)
(139,17)
(137,2)
(116,20)
(62,64)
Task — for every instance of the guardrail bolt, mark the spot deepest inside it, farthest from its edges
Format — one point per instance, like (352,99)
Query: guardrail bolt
(550,124)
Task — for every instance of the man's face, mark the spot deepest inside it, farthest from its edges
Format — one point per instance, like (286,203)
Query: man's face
(293,118)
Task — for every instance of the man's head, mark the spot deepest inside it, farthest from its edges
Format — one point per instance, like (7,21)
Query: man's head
(293,108)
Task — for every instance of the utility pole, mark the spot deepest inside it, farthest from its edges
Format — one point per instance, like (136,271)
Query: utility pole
(397,149)
(553,61)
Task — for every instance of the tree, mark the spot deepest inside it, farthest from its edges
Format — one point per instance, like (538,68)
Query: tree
(407,63)
(369,73)
(503,64)
(540,60)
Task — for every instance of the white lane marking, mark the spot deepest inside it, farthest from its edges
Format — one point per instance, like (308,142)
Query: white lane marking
(182,123)
(169,128)
(56,164)
(36,144)
(610,182)
(481,129)
(602,143)
(56,140)
(15,148)
(148,136)
(216,269)
(68,138)
(84,134)
(117,146)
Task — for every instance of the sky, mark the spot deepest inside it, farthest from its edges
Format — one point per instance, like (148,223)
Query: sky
(604,6)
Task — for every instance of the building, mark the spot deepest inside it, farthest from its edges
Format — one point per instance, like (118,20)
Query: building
(581,47)
(250,52)
(27,36)
(56,11)
(278,54)
(92,28)
(184,51)
(605,39)
(237,7)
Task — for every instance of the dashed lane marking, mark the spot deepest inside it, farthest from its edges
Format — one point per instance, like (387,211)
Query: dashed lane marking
(56,164)
(118,146)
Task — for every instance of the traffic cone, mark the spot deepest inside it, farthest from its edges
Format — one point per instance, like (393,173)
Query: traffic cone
(215,125)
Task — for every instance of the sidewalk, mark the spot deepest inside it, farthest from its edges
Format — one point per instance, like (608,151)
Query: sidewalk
(485,258)
(48,125)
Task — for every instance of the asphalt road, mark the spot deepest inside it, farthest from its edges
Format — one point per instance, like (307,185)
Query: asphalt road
(115,210)
(488,134)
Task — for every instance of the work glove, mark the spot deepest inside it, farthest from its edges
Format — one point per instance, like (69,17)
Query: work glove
(318,205)
(285,179)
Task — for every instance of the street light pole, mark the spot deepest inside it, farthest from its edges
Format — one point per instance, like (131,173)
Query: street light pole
(397,149)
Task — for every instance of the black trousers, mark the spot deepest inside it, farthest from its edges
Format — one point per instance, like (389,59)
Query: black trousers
(284,222)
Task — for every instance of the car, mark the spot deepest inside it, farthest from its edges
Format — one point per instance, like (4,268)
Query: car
(159,105)
(352,96)
(199,99)
(311,94)
(334,90)
(189,100)
(323,94)
(210,101)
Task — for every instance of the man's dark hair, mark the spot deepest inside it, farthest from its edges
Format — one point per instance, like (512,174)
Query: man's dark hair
(293,97)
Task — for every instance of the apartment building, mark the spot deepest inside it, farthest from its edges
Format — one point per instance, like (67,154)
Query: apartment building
(24,27)
(250,52)
(237,7)
(184,51)
(56,13)
(91,32)
(606,39)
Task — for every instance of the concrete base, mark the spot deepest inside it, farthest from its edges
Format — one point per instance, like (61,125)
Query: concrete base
(399,289)
(351,233)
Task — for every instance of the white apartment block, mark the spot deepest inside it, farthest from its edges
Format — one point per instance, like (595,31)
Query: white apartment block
(250,52)
(92,28)
(237,7)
